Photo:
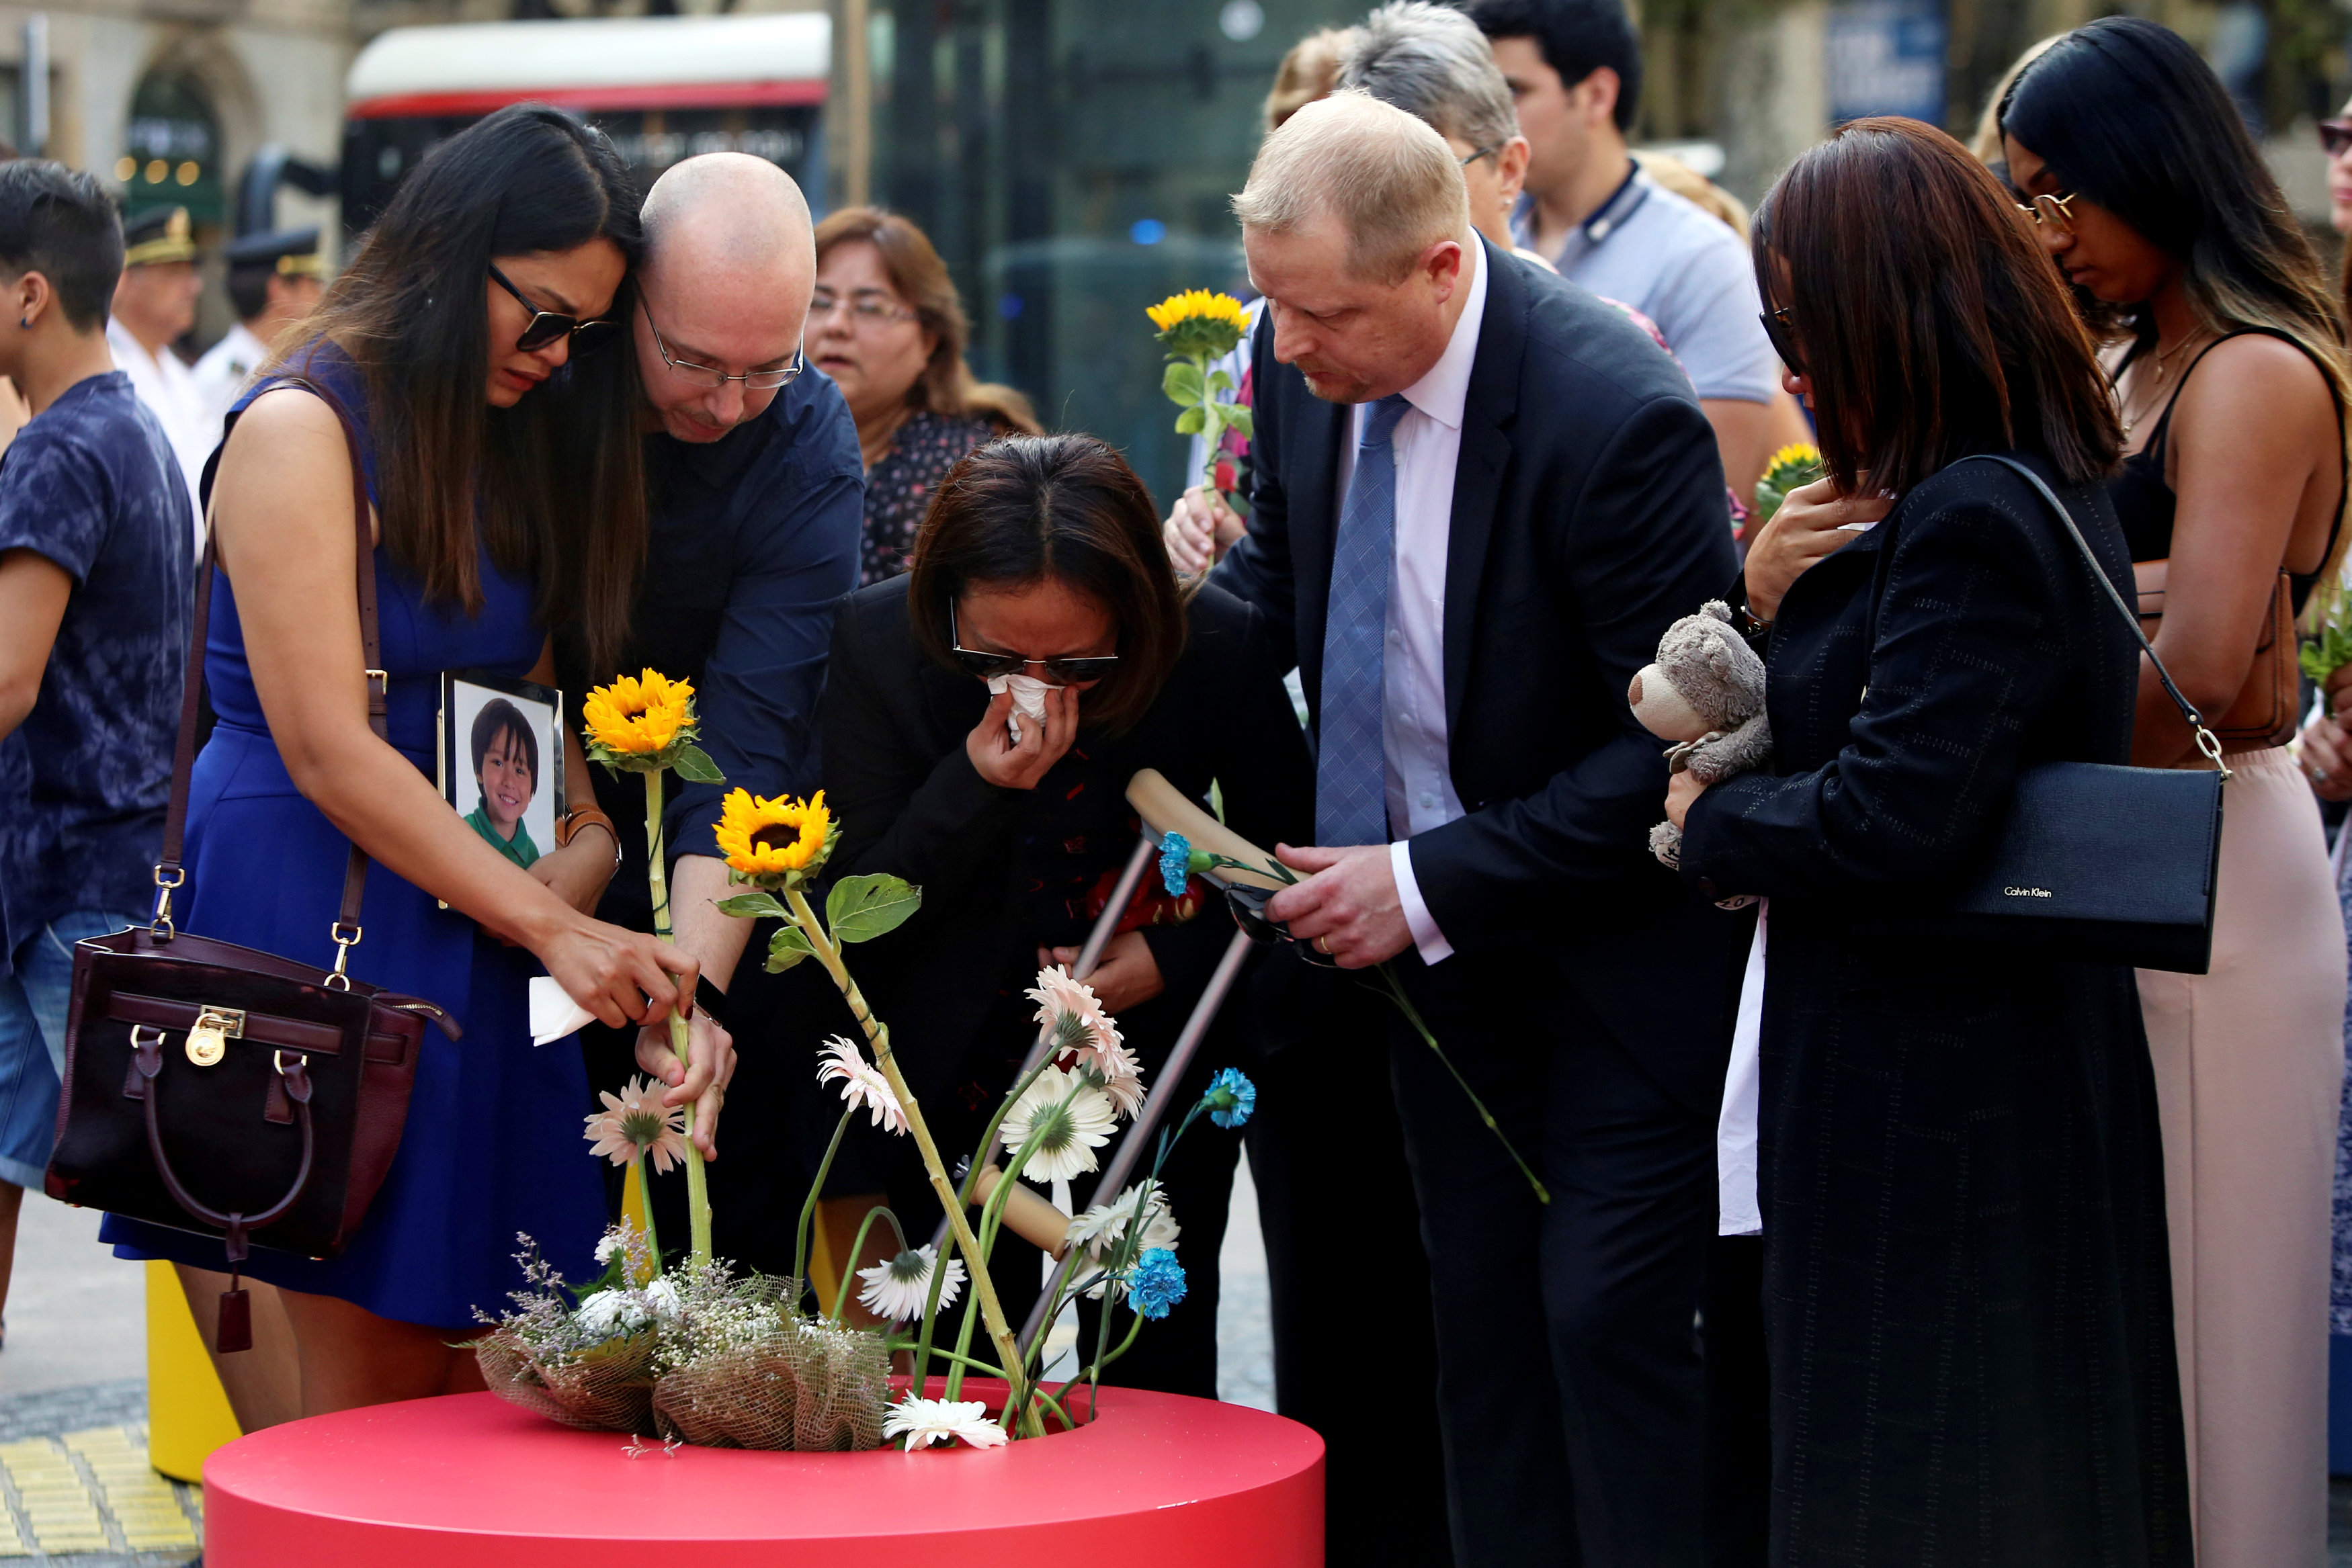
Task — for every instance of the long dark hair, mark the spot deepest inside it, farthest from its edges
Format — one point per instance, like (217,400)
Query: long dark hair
(2128,116)
(1020,510)
(1929,320)
(552,485)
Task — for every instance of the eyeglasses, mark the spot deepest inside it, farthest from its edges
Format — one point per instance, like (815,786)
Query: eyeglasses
(2055,212)
(1779,327)
(2335,137)
(867,307)
(1482,152)
(988,667)
(546,326)
(713,378)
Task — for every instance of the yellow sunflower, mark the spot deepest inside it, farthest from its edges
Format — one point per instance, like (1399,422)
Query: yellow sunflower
(638,716)
(1803,452)
(1196,304)
(747,838)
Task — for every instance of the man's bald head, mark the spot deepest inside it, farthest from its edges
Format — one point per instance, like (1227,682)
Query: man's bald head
(1388,180)
(727,213)
(730,261)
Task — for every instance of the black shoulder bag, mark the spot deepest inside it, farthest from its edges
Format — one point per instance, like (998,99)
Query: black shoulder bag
(2096,862)
(212,1088)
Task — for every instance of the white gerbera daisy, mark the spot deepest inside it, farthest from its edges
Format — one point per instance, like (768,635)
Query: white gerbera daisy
(923,1422)
(635,1124)
(861,1083)
(900,1289)
(1074,1118)
(1098,1232)
(1084,1032)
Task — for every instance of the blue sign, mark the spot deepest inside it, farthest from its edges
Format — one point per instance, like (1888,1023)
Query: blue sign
(1886,57)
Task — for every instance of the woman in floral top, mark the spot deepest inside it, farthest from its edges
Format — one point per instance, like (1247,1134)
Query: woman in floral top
(886,326)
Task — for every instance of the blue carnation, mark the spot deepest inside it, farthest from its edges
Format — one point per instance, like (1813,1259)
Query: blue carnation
(1175,863)
(1157,1282)
(1231,1098)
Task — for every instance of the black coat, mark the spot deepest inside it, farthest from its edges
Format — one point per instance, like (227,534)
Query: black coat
(1967,1296)
(910,803)
(1587,516)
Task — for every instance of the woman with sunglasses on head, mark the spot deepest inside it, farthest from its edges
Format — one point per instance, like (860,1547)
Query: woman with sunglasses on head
(886,325)
(2231,378)
(1039,565)
(498,447)
(1965,1287)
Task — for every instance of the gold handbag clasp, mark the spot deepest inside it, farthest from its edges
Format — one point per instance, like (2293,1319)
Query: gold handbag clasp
(209,1037)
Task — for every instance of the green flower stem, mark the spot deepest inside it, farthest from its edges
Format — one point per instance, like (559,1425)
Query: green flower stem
(808,1208)
(1094,1372)
(992,1220)
(877,1038)
(856,1249)
(646,1191)
(1413,1016)
(1210,428)
(988,1134)
(698,1191)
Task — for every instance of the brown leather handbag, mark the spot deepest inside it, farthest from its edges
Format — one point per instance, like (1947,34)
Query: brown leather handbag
(2265,709)
(216,1089)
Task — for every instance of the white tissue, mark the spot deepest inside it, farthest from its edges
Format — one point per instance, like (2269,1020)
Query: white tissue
(554,1013)
(1028,699)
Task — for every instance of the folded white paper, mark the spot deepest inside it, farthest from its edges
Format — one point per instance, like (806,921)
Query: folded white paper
(554,1013)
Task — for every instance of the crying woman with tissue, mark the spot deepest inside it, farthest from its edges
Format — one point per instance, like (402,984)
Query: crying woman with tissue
(982,716)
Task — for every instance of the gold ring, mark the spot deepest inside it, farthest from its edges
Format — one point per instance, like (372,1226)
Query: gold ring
(1323,946)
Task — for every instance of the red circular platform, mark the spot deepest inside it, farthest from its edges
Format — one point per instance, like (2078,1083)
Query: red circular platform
(1159,1481)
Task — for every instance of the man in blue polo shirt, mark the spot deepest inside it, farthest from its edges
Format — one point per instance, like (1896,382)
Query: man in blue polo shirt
(1575,71)
(94,599)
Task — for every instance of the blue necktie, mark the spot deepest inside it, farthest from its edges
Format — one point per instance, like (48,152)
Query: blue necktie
(1350,766)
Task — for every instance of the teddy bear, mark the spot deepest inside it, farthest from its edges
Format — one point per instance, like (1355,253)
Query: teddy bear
(1705,693)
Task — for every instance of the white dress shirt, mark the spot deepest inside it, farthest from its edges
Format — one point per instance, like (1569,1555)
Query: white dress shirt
(1427,448)
(167,388)
(223,373)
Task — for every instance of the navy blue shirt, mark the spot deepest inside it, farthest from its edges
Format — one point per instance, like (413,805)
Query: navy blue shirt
(91,484)
(751,541)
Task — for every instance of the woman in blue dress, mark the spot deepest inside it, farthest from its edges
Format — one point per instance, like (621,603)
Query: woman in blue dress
(501,507)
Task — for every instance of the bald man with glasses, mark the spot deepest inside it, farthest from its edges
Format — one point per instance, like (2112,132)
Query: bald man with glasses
(755,496)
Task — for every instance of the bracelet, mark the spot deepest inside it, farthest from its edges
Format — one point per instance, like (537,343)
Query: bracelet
(568,826)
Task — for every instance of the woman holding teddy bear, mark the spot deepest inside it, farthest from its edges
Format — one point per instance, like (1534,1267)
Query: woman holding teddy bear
(1967,1308)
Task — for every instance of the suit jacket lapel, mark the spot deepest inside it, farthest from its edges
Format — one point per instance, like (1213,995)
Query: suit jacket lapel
(1486,415)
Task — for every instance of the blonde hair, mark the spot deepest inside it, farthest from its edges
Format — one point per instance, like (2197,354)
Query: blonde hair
(947,386)
(1986,142)
(1696,188)
(1308,72)
(1388,177)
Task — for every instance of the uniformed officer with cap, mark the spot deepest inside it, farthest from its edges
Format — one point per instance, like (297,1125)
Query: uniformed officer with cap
(274,280)
(154,304)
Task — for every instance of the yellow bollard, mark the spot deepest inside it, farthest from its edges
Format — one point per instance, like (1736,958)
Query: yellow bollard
(187,1411)
(633,1197)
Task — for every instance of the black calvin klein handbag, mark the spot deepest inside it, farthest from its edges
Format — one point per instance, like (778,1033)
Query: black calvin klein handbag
(2096,862)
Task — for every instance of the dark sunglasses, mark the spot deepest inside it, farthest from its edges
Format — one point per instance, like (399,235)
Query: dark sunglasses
(1777,327)
(988,667)
(2335,136)
(1248,906)
(546,326)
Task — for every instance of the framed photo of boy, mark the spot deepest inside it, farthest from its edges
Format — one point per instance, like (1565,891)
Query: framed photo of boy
(501,760)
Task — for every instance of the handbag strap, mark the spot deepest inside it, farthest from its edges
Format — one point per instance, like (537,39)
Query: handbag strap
(2206,740)
(169,872)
